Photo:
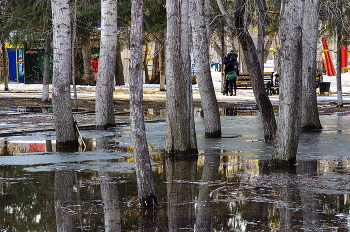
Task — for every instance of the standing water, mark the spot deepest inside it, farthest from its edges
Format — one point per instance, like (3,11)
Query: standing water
(227,187)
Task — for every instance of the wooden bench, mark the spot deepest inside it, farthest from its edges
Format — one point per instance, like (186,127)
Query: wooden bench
(243,82)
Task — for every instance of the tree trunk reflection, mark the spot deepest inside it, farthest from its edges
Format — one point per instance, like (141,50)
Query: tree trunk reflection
(307,197)
(204,220)
(180,192)
(63,197)
(109,194)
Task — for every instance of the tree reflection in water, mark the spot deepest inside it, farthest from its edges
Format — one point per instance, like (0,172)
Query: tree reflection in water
(228,187)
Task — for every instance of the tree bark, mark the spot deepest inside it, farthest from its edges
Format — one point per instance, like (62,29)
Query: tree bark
(46,75)
(5,67)
(256,76)
(290,34)
(119,72)
(339,10)
(261,31)
(145,66)
(180,134)
(61,101)
(74,39)
(267,48)
(162,70)
(105,81)
(203,74)
(310,120)
(145,182)
(156,66)
(88,72)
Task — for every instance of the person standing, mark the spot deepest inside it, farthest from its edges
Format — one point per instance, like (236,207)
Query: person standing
(225,62)
(230,69)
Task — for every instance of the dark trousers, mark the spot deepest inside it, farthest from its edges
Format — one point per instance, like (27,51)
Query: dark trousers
(230,86)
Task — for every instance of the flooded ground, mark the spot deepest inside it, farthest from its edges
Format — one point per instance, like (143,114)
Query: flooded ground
(228,187)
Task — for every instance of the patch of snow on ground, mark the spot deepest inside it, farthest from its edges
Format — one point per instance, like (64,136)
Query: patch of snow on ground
(216,76)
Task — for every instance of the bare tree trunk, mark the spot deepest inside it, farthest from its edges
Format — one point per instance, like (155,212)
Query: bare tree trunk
(261,32)
(119,72)
(105,81)
(310,120)
(5,67)
(88,72)
(267,48)
(290,34)
(162,70)
(339,11)
(201,56)
(217,48)
(145,182)
(145,67)
(275,56)
(46,75)
(180,134)
(223,53)
(256,76)
(156,66)
(61,101)
(77,74)
(74,39)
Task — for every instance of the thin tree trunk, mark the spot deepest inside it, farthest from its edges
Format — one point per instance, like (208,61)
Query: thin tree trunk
(46,75)
(5,68)
(61,101)
(223,53)
(145,67)
(339,10)
(267,48)
(74,39)
(256,76)
(119,72)
(88,72)
(145,182)
(180,133)
(201,57)
(105,81)
(261,31)
(77,75)
(290,34)
(275,57)
(310,120)
(162,70)
(155,77)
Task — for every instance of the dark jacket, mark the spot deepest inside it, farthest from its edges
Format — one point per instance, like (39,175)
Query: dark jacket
(230,66)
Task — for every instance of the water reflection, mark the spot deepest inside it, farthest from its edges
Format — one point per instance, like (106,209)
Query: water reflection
(228,187)
(110,201)
(180,174)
